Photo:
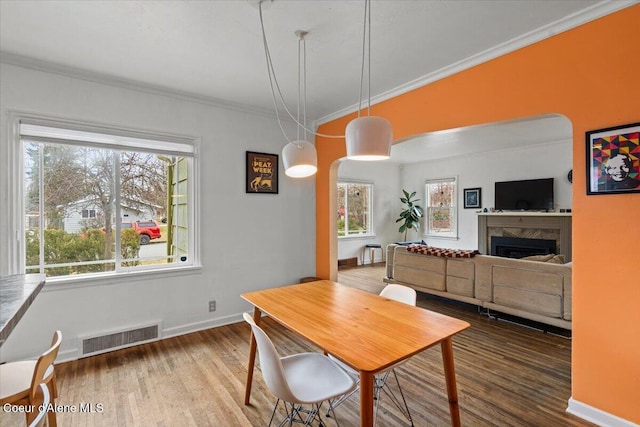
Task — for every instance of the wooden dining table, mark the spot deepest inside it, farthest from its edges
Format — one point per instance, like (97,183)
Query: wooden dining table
(366,331)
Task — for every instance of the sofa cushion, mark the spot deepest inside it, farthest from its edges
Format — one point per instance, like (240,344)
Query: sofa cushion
(421,271)
(461,277)
(529,301)
(527,278)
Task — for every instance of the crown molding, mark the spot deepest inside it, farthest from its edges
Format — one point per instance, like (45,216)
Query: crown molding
(594,12)
(92,76)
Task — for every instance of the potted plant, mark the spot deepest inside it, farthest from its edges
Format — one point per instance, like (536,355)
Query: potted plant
(410,216)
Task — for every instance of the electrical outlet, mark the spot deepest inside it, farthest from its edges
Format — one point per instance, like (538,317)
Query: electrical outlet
(212,305)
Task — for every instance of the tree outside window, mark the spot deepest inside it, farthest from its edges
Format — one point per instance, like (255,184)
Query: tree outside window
(441,195)
(354,209)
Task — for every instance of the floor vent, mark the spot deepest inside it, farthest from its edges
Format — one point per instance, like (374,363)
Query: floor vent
(116,340)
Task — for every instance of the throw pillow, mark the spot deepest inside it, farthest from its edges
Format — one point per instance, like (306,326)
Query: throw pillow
(557,259)
(539,258)
(552,258)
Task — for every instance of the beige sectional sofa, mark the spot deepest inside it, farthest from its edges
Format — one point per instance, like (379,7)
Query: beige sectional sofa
(534,290)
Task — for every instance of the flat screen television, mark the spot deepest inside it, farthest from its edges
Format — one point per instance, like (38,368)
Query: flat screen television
(528,195)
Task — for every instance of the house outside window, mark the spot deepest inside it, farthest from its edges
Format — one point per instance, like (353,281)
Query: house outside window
(354,209)
(441,210)
(98,203)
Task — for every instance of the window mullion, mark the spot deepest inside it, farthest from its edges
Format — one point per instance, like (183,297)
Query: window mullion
(346,210)
(41,207)
(117,215)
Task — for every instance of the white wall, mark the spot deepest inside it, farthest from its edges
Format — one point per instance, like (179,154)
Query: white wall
(552,160)
(386,205)
(248,241)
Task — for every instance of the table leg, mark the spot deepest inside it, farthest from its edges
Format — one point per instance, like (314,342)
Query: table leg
(252,358)
(450,377)
(366,399)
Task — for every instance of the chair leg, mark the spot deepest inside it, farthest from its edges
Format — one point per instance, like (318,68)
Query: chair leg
(332,411)
(299,415)
(381,385)
(273,414)
(53,392)
(339,401)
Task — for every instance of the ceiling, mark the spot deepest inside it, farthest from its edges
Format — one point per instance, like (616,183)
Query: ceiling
(507,135)
(213,50)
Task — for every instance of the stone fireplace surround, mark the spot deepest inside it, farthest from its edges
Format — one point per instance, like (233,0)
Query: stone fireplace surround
(529,225)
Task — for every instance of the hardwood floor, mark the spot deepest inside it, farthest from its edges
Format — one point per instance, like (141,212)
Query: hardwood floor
(507,375)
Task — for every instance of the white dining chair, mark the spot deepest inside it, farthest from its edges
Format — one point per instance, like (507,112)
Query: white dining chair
(299,379)
(406,295)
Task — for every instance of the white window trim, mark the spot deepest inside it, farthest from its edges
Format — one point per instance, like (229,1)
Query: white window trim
(15,191)
(371,232)
(454,235)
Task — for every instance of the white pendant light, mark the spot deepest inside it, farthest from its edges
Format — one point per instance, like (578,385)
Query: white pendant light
(300,159)
(370,137)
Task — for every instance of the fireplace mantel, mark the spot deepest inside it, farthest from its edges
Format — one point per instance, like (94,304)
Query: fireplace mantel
(541,225)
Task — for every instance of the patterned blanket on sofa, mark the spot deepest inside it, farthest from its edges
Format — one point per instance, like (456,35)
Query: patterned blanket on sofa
(451,253)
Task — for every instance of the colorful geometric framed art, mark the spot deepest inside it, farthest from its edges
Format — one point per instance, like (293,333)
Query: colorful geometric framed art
(613,160)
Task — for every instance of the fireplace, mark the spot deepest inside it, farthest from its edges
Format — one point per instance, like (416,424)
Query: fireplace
(526,225)
(517,247)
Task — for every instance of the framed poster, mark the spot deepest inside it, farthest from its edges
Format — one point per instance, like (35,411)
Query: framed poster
(262,173)
(472,198)
(613,160)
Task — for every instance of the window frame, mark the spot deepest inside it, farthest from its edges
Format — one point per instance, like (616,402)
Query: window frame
(428,233)
(370,185)
(16,216)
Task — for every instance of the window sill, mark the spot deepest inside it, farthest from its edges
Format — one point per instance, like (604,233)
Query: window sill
(436,236)
(82,281)
(358,237)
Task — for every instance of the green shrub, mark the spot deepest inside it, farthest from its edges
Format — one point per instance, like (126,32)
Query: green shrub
(130,246)
(61,247)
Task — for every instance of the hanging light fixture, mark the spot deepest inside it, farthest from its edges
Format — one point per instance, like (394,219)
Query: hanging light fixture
(299,157)
(368,137)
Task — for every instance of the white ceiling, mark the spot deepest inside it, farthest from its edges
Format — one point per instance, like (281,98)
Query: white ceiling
(213,49)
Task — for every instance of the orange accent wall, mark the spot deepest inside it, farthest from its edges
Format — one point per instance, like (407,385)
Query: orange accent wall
(590,74)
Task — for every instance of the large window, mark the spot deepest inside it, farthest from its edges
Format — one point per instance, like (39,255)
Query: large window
(442,211)
(97,203)
(354,209)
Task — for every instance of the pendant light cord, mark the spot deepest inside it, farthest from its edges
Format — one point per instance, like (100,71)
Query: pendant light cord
(368,8)
(304,88)
(367,14)
(300,36)
(272,78)
(275,87)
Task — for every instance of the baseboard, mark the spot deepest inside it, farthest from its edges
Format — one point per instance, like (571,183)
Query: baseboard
(200,326)
(69,355)
(596,416)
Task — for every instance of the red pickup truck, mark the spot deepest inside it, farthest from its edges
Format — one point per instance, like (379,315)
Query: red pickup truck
(148,230)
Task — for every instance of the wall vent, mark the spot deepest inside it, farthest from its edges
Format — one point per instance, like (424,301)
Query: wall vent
(92,345)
